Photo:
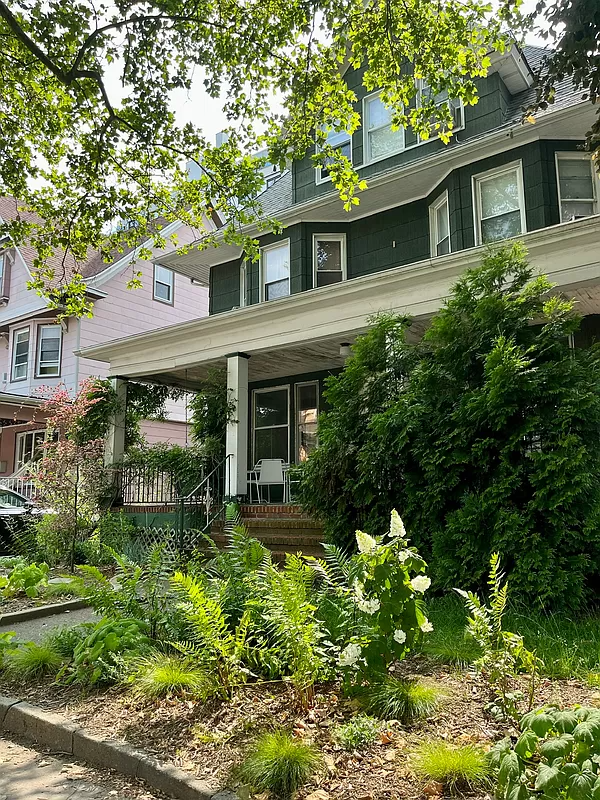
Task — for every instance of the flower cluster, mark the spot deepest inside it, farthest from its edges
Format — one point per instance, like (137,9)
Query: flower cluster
(388,590)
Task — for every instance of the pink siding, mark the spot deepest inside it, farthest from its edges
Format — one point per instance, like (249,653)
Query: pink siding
(156,432)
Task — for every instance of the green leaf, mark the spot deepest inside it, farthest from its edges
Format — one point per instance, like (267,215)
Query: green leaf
(510,768)
(518,791)
(588,731)
(579,786)
(565,721)
(526,744)
(557,747)
(548,777)
(541,724)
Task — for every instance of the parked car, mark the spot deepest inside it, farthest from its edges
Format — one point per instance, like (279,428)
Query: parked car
(15,509)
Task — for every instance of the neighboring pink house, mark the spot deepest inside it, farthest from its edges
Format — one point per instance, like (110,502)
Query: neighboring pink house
(37,351)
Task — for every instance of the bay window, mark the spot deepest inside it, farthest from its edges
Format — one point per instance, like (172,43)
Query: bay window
(499,204)
(577,186)
(275,267)
(48,350)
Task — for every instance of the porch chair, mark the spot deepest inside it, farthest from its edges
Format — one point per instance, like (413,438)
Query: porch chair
(268,472)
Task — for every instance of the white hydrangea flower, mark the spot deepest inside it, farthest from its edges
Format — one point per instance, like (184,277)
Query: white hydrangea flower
(426,626)
(421,583)
(366,543)
(403,555)
(399,636)
(397,529)
(369,606)
(358,588)
(350,655)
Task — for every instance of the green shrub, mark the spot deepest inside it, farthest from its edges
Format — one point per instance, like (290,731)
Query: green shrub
(458,768)
(401,699)
(486,433)
(279,764)
(99,657)
(7,645)
(10,562)
(29,579)
(358,732)
(31,661)
(556,756)
(160,675)
(65,641)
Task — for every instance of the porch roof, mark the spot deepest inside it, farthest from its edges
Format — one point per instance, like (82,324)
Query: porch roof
(303,332)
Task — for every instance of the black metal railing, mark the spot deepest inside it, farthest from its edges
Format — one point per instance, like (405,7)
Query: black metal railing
(139,483)
(202,506)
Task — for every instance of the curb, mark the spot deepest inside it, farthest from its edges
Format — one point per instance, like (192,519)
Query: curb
(41,611)
(46,728)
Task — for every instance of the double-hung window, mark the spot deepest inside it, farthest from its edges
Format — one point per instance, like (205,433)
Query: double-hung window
(20,354)
(48,350)
(307,413)
(439,226)
(272,423)
(577,186)
(29,447)
(275,265)
(163,284)
(380,140)
(499,204)
(340,141)
(329,258)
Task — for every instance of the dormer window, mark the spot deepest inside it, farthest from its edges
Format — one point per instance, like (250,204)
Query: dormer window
(341,141)
(380,140)
(455,105)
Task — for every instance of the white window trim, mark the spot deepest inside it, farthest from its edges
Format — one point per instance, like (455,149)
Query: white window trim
(434,134)
(366,149)
(21,437)
(263,284)
(476,180)
(38,350)
(15,333)
(329,237)
(264,389)
(296,420)
(572,155)
(327,179)
(158,299)
(243,286)
(433,238)
(434,137)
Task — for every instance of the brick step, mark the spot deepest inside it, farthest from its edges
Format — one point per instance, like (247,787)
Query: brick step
(268,511)
(276,539)
(256,527)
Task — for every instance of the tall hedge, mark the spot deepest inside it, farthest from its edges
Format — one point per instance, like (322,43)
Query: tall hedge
(485,435)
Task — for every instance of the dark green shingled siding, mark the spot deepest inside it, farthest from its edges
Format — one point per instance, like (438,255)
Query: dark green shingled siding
(400,235)
(489,113)
(224,291)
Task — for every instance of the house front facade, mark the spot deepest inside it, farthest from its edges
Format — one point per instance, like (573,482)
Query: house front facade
(38,351)
(282,324)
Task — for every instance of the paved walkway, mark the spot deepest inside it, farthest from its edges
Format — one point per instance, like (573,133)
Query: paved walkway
(34,630)
(28,774)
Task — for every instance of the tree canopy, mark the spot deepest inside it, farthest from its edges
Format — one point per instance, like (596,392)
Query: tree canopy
(86,159)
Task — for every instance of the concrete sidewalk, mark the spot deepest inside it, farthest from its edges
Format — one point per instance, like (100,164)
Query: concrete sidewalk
(30,774)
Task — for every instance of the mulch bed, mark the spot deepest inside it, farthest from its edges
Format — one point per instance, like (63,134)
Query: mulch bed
(210,739)
(22,602)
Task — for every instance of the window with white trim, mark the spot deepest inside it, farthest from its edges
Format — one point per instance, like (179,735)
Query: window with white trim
(499,204)
(164,280)
(577,186)
(439,226)
(380,140)
(20,354)
(29,446)
(272,423)
(275,268)
(48,350)
(441,99)
(339,140)
(329,258)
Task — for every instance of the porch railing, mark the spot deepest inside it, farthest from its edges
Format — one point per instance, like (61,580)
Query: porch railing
(20,483)
(141,484)
(202,506)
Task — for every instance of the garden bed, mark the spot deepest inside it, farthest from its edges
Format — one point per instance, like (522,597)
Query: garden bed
(210,739)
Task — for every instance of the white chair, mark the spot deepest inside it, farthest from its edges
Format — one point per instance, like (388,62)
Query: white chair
(268,472)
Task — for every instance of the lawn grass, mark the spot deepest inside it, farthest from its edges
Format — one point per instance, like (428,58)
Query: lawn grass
(568,644)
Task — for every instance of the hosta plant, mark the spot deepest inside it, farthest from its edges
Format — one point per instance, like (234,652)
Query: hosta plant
(96,658)
(388,587)
(556,757)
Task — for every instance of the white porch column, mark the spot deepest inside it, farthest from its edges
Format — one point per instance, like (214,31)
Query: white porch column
(114,447)
(236,441)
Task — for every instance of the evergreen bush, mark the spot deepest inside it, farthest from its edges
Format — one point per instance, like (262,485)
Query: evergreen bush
(486,433)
